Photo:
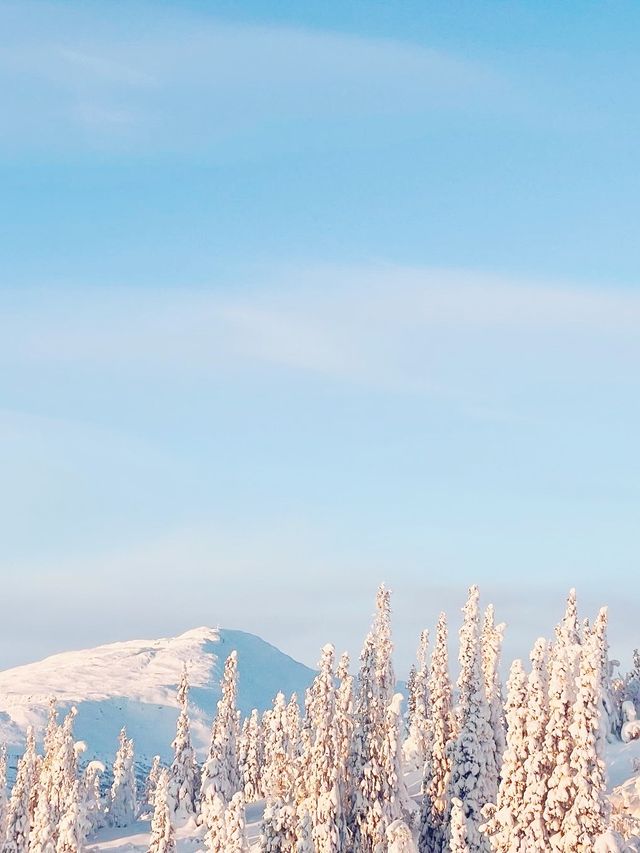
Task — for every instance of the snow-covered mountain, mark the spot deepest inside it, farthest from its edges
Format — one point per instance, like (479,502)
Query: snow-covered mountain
(134,684)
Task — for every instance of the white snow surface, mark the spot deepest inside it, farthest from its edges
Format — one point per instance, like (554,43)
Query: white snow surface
(134,684)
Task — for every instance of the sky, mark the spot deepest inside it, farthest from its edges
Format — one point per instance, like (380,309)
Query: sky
(296,298)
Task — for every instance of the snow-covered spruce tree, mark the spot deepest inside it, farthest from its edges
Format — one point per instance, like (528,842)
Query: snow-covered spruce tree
(251,757)
(278,833)
(18,824)
(503,820)
(122,806)
(398,805)
(365,813)
(344,722)
(471,757)
(435,783)
(611,718)
(588,814)
(384,680)
(213,816)
(537,764)
(183,782)
(492,636)
(74,824)
(558,743)
(458,830)
(4,799)
(321,766)
(236,826)
(279,772)
(65,768)
(378,793)
(415,746)
(304,833)
(400,838)
(55,784)
(152,782)
(92,795)
(162,831)
(220,772)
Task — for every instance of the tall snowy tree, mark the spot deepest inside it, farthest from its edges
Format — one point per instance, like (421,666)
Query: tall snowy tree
(183,783)
(4,800)
(92,794)
(74,823)
(122,808)
(492,636)
(471,762)
(18,824)
(322,762)
(162,831)
(251,757)
(558,744)
(458,831)
(236,826)
(304,833)
(152,781)
(344,723)
(378,793)
(503,824)
(278,833)
(588,815)
(220,772)
(536,762)
(434,811)
(279,771)
(415,747)
(400,838)
(213,816)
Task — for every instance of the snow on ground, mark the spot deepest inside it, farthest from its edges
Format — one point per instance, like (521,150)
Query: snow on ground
(134,684)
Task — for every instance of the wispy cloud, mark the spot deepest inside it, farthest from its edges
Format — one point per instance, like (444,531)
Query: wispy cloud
(454,333)
(196,81)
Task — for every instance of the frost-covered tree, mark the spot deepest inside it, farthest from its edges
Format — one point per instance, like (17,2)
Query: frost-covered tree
(435,783)
(471,760)
(304,833)
(558,743)
(536,761)
(162,831)
(251,757)
(503,824)
(588,814)
(378,795)
(183,782)
(398,805)
(4,800)
(55,783)
(122,807)
(458,830)
(213,816)
(18,824)
(92,795)
(279,771)
(367,788)
(400,838)
(278,832)
(220,772)
(236,826)
(152,781)
(492,636)
(74,823)
(415,746)
(611,717)
(321,764)
(344,722)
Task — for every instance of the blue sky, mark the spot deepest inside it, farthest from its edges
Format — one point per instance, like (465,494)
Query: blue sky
(300,297)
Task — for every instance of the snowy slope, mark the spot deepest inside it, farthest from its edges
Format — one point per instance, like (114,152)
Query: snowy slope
(134,683)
